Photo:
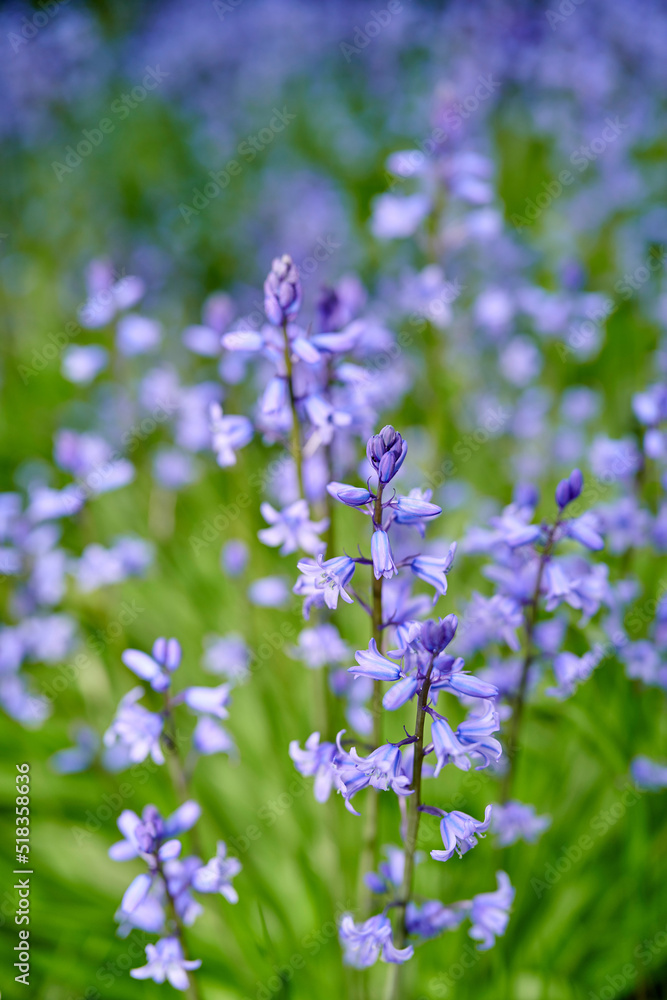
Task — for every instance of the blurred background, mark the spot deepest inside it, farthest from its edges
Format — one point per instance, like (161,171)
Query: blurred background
(518,251)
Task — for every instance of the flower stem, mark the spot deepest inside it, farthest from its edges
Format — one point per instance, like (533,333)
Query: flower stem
(180,778)
(297,453)
(531,616)
(369,851)
(193,992)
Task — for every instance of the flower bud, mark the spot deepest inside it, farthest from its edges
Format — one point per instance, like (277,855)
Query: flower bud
(282,291)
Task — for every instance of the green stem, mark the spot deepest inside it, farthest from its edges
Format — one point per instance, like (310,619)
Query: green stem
(369,851)
(180,778)
(297,453)
(531,617)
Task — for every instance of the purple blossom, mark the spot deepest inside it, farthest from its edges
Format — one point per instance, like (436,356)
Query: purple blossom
(292,529)
(431,918)
(386,452)
(489,913)
(166,962)
(433,570)
(210,737)
(383,560)
(208,700)
(155,669)
(282,291)
(136,729)
(234,557)
(382,769)
(82,365)
(365,942)
(324,581)
(217,875)
(515,821)
(228,435)
(320,646)
(648,774)
(144,836)
(316,759)
(569,489)
(459,833)
(371,663)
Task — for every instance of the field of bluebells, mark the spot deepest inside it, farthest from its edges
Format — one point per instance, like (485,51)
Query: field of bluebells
(333,654)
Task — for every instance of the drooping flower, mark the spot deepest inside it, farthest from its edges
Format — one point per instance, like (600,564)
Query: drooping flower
(316,759)
(514,821)
(365,942)
(459,833)
(292,529)
(155,669)
(324,581)
(433,570)
(229,433)
(136,729)
(489,913)
(383,560)
(217,875)
(371,663)
(165,961)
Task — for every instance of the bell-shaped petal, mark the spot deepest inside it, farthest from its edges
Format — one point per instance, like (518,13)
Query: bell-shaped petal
(371,663)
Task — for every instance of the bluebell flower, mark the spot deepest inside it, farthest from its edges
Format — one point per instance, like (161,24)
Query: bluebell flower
(585,530)
(383,560)
(179,874)
(143,835)
(155,669)
(82,364)
(74,760)
(431,918)
(137,729)
(137,334)
(459,833)
(282,291)
(228,434)
(210,737)
(353,496)
(234,557)
(365,942)
(512,528)
(292,529)
(269,592)
(386,452)
(390,872)
(625,525)
(414,508)
(514,821)
(487,620)
(569,489)
(382,769)
(446,745)
(489,913)
(209,700)
(166,962)
(475,733)
(371,663)
(217,875)
(318,646)
(434,570)
(400,693)
(324,581)
(648,774)
(227,656)
(642,661)
(570,671)
(316,759)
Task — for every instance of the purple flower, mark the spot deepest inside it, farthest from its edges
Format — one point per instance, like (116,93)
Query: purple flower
(320,646)
(373,664)
(514,821)
(433,570)
(365,942)
(648,774)
(228,434)
(489,913)
(156,668)
(282,291)
(569,489)
(585,530)
(82,364)
(315,759)
(145,835)
(386,452)
(459,833)
(383,560)
(210,737)
(571,670)
(432,918)
(414,508)
(382,769)
(446,745)
(269,592)
(234,557)
(178,874)
(136,729)
(292,529)
(390,872)
(208,700)
(353,496)
(166,961)
(137,334)
(227,655)
(217,875)
(74,760)
(324,581)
